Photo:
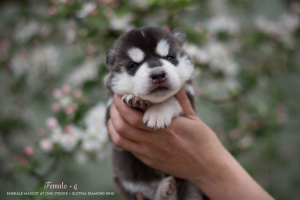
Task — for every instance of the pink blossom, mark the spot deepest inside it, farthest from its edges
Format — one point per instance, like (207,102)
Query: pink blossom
(69,110)
(16,157)
(245,142)
(68,129)
(46,145)
(94,12)
(202,56)
(55,107)
(66,89)
(57,94)
(234,133)
(166,27)
(5,45)
(52,10)
(281,112)
(51,122)
(108,13)
(91,49)
(29,151)
(107,1)
(295,6)
(24,162)
(77,94)
(74,106)
(42,132)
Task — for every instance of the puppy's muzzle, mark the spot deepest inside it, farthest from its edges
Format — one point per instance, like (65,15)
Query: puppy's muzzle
(158,76)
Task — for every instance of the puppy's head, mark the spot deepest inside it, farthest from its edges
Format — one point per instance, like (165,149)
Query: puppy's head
(149,63)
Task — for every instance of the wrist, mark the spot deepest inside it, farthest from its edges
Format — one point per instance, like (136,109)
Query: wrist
(226,179)
(213,170)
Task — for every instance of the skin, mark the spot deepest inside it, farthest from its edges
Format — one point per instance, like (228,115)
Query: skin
(187,149)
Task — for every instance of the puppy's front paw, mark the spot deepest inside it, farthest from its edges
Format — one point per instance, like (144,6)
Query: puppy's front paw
(167,189)
(156,118)
(135,102)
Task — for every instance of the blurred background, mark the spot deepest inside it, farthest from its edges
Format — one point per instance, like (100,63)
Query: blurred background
(52,99)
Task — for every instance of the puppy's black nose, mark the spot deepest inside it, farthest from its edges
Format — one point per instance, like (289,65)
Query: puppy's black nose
(158,76)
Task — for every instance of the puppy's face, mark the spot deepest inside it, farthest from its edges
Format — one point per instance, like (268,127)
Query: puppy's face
(149,63)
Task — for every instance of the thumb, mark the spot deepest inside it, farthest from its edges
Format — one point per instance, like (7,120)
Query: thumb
(139,197)
(185,103)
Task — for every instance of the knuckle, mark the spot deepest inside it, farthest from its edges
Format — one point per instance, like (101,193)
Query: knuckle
(111,109)
(118,141)
(150,163)
(134,121)
(120,127)
(147,162)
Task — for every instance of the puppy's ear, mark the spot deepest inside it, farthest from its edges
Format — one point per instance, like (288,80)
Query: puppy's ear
(109,56)
(179,35)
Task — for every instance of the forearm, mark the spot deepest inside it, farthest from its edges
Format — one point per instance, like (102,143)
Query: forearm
(187,149)
(227,179)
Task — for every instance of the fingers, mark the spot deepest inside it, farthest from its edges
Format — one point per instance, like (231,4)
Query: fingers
(132,116)
(151,162)
(126,130)
(139,197)
(122,142)
(185,103)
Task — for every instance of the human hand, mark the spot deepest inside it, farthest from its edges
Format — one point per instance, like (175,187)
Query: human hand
(139,197)
(187,149)
(186,146)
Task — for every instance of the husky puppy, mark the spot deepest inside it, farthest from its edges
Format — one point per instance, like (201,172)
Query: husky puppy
(148,66)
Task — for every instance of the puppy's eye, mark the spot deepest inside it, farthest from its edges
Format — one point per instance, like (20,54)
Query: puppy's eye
(133,65)
(170,57)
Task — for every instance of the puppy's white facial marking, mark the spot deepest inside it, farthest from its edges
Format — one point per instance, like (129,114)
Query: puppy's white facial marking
(162,48)
(136,54)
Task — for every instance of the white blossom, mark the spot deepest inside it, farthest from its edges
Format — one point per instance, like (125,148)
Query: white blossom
(120,22)
(282,29)
(140,4)
(87,71)
(70,140)
(289,21)
(57,134)
(36,62)
(245,142)
(223,24)
(71,32)
(197,53)
(52,123)
(96,132)
(220,58)
(92,142)
(45,58)
(81,157)
(60,1)
(20,63)
(86,9)
(25,31)
(65,101)
(46,144)
(218,6)
(221,88)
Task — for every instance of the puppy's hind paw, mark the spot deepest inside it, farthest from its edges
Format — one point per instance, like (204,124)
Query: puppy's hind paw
(135,102)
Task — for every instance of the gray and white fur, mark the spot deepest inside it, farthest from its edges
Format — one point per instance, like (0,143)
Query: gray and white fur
(148,66)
